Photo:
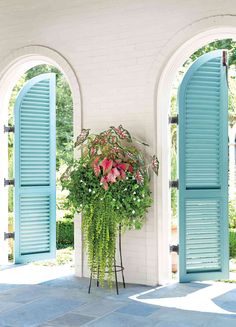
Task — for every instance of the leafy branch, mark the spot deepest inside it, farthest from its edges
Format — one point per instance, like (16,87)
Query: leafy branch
(109,184)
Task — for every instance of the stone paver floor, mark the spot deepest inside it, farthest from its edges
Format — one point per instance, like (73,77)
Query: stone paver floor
(53,297)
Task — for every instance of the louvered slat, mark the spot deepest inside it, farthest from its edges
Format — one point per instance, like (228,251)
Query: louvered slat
(200,174)
(203,170)
(199,227)
(35,170)
(33,122)
(38,241)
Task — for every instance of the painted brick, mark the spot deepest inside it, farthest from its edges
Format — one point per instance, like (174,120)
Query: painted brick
(117,49)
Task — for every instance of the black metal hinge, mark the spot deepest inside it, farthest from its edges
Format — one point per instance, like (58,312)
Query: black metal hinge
(8,182)
(174,119)
(9,129)
(174,184)
(224,60)
(9,235)
(174,248)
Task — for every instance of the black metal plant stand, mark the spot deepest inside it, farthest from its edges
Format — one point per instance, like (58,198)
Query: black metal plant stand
(117,268)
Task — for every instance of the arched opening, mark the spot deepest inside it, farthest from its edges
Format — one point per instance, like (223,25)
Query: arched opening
(16,65)
(204,101)
(163,137)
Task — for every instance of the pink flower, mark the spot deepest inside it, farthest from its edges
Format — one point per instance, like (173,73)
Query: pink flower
(123,166)
(114,173)
(106,165)
(139,177)
(122,133)
(96,167)
(92,151)
(117,161)
(122,174)
(131,169)
(113,139)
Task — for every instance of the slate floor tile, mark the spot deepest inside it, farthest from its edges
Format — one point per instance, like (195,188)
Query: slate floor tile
(117,319)
(173,324)
(70,282)
(220,322)
(71,319)
(65,302)
(24,294)
(138,309)
(166,317)
(70,293)
(37,312)
(6,287)
(174,290)
(5,306)
(227,305)
(99,308)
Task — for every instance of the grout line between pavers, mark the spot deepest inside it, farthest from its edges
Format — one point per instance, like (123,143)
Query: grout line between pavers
(50,321)
(10,309)
(21,305)
(104,315)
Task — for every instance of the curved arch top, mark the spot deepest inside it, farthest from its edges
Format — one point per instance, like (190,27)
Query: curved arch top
(22,59)
(197,64)
(190,38)
(32,82)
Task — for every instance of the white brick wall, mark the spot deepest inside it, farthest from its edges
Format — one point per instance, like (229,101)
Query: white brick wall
(117,49)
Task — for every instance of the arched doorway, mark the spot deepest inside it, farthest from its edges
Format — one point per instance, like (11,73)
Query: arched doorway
(15,65)
(196,36)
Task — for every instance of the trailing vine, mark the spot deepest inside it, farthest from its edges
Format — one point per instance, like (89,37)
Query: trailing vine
(109,184)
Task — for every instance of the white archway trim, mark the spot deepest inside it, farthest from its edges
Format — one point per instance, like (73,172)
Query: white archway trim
(178,49)
(11,69)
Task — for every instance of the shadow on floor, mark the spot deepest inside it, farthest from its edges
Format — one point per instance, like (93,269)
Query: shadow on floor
(63,301)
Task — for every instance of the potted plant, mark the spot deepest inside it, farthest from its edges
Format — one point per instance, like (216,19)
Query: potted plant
(109,185)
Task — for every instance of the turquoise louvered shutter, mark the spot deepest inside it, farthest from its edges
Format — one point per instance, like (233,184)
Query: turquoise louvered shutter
(35,169)
(203,170)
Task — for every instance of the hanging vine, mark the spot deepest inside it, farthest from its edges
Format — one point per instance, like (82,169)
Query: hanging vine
(109,184)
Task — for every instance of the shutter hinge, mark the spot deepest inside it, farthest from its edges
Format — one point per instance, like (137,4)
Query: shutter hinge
(224,59)
(174,119)
(174,248)
(9,235)
(9,182)
(174,184)
(9,129)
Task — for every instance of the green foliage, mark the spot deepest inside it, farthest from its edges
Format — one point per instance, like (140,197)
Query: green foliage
(65,233)
(232,230)
(100,230)
(174,177)
(173,132)
(227,44)
(64,256)
(232,243)
(110,186)
(232,213)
